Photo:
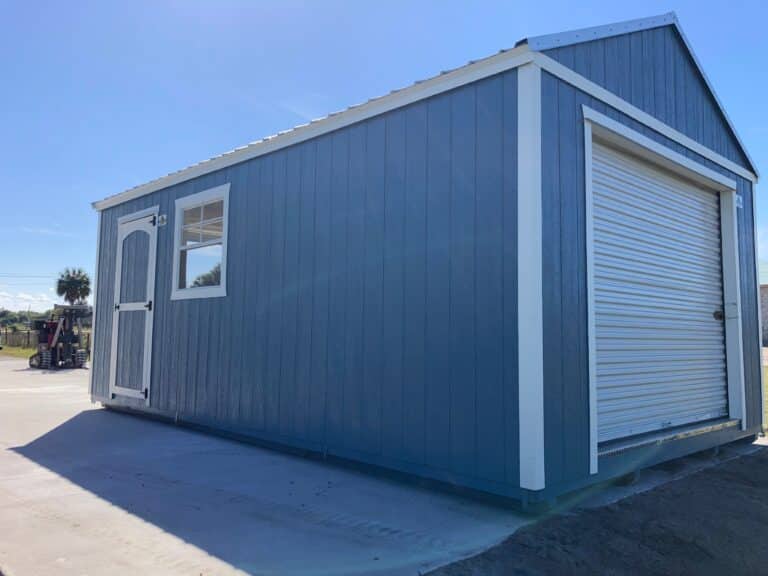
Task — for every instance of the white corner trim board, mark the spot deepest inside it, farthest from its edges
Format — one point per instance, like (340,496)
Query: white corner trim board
(529,279)
(614,134)
(758,303)
(591,337)
(93,315)
(734,338)
(578,81)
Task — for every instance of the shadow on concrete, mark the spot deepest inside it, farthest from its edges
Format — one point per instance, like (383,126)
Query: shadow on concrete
(260,510)
(49,371)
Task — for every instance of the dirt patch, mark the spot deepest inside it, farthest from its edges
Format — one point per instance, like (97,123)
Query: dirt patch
(712,522)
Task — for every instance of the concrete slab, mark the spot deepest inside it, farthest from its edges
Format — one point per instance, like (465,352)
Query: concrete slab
(89,491)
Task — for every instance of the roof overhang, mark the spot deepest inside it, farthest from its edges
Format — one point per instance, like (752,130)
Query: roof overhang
(448,80)
(524,52)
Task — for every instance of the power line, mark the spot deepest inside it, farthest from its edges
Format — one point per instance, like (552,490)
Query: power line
(14,275)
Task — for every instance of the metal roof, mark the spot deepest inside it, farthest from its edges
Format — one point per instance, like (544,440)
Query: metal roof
(446,80)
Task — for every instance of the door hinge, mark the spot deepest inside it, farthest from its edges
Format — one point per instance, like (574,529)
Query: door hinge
(146,393)
(117,306)
(153,221)
(148,305)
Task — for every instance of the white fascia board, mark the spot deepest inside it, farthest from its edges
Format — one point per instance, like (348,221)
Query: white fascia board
(472,72)
(530,305)
(550,41)
(585,85)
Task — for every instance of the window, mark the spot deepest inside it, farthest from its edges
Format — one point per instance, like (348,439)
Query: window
(200,249)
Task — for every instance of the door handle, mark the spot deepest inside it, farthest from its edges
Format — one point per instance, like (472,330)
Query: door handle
(718,315)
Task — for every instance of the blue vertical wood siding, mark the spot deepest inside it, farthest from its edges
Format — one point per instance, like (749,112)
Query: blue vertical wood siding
(371,295)
(566,383)
(653,70)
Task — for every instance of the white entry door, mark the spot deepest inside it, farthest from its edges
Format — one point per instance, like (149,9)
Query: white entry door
(658,298)
(131,352)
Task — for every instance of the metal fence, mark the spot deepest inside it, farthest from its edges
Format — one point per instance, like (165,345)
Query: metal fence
(28,338)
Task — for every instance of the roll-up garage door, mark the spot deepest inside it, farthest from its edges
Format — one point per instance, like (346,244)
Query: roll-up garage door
(658,298)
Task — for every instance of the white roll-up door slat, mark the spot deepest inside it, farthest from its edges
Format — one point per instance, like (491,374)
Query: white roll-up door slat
(657,283)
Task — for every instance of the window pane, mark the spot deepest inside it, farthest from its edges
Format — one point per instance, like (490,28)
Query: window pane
(192,215)
(200,267)
(190,235)
(213,210)
(212,230)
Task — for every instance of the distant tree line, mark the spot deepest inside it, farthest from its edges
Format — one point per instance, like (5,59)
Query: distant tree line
(19,319)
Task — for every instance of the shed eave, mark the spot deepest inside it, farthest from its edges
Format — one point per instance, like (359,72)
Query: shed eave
(471,72)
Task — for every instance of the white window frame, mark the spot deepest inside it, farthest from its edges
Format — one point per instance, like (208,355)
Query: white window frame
(206,196)
(615,134)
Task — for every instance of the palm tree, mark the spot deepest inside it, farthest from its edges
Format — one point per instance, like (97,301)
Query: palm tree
(74,285)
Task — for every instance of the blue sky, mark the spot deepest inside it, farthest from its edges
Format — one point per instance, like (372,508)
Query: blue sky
(100,96)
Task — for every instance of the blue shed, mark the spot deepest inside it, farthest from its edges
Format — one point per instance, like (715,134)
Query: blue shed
(522,276)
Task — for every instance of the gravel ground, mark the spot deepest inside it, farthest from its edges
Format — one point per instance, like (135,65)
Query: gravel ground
(712,522)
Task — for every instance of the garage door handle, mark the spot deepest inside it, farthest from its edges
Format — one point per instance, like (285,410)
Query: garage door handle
(718,315)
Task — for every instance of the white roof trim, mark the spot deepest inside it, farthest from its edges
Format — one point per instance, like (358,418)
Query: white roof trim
(476,70)
(550,41)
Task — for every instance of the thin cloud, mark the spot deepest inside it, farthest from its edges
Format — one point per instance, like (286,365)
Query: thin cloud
(47,232)
(309,107)
(17,301)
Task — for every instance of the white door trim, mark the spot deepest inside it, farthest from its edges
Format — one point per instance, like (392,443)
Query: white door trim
(617,135)
(142,220)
